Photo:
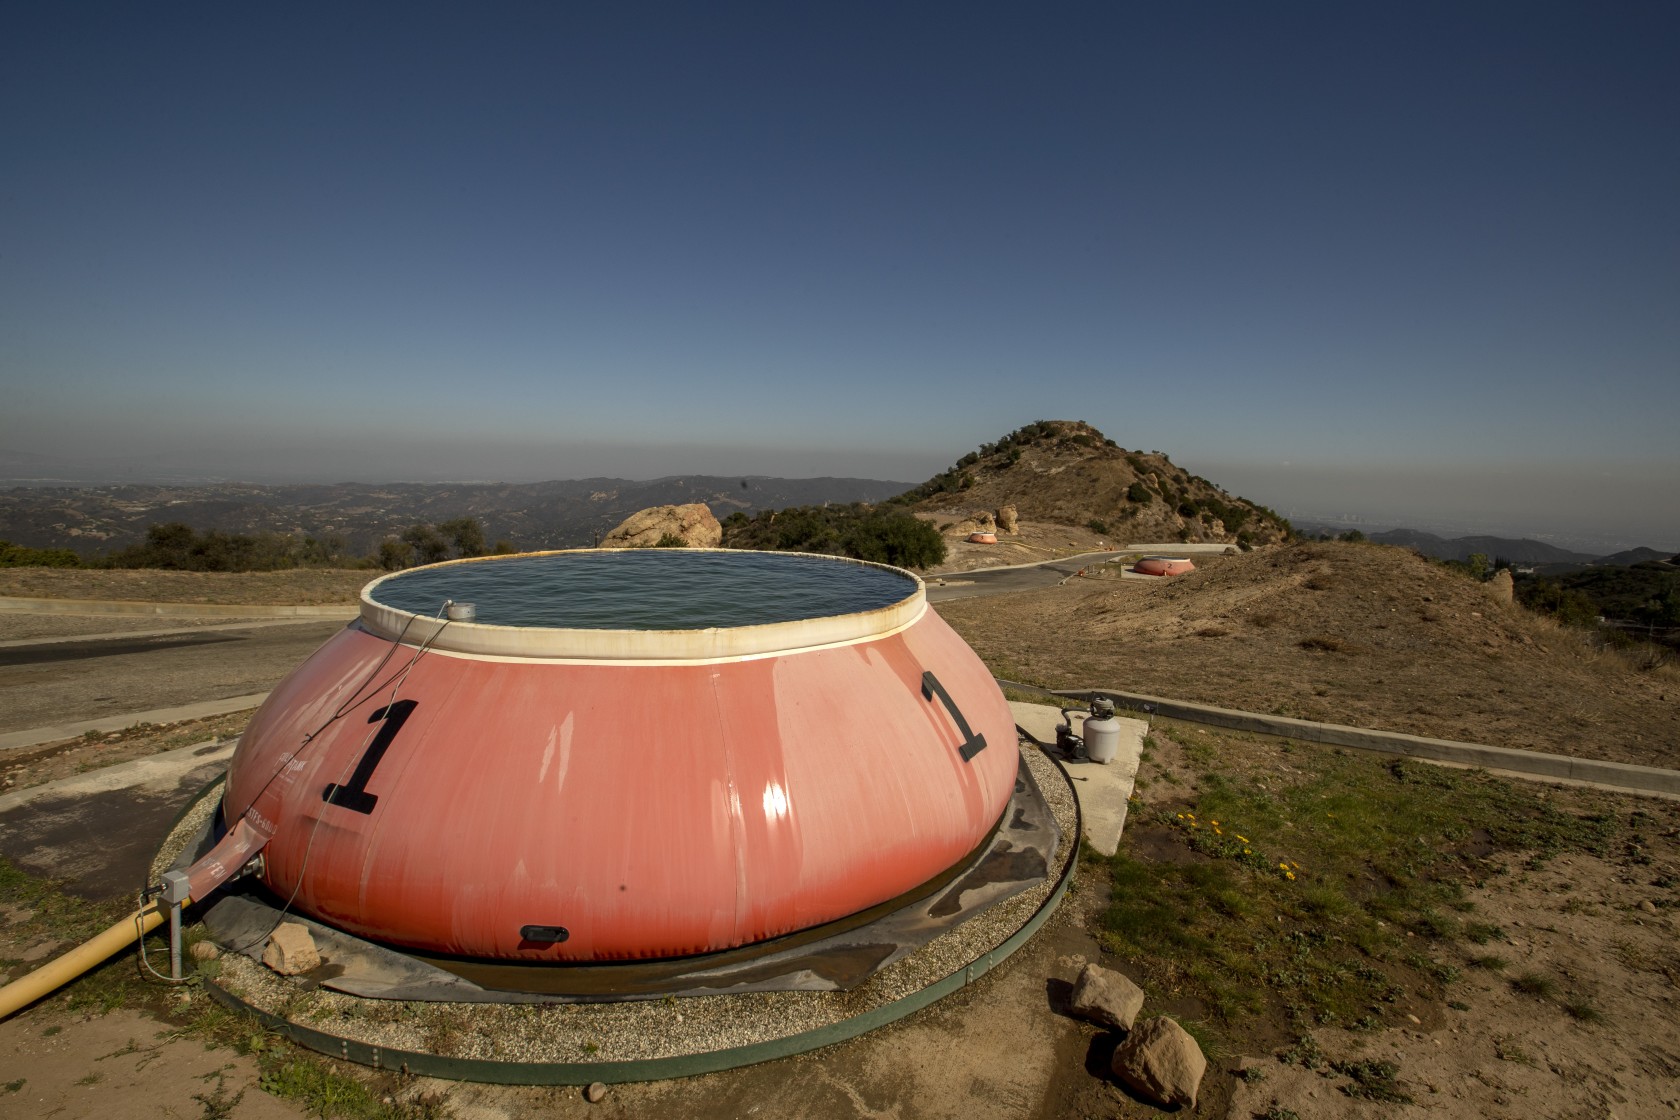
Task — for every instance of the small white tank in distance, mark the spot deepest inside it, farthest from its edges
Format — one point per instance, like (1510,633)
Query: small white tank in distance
(1102,732)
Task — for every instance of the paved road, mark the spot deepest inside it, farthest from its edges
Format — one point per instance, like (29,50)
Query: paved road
(67,681)
(1001,581)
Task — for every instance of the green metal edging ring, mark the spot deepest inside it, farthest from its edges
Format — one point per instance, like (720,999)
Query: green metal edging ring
(683,1065)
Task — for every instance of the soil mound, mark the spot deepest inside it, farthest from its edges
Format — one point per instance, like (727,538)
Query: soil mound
(1360,634)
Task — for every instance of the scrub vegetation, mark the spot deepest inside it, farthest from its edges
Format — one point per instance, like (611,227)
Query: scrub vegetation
(177,546)
(1281,887)
(859,530)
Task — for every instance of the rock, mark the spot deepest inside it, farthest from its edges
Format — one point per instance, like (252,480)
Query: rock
(291,950)
(693,524)
(1161,1062)
(1008,520)
(1648,906)
(1105,996)
(984,522)
(1500,588)
(204,951)
(596,1092)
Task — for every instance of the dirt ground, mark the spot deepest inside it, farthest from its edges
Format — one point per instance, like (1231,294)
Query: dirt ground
(1365,635)
(33,766)
(1511,1055)
(301,587)
(1034,541)
(1604,932)
(1394,642)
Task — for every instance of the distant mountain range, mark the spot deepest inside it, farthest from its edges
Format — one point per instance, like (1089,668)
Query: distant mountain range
(1524,551)
(561,514)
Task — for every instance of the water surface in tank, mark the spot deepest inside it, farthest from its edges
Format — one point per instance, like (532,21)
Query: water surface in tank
(648,589)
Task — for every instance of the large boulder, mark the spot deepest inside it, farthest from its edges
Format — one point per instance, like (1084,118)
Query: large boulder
(1500,588)
(1008,520)
(693,524)
(1106,997)
(1161,1062)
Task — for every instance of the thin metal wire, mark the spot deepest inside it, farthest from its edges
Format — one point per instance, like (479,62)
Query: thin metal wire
(396,685)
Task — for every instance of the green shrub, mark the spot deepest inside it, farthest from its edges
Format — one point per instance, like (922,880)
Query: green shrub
(1098,526)
(884,535)
(1138,492)
(20,556)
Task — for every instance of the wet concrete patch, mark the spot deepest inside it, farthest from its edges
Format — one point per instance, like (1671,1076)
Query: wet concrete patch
(99,845)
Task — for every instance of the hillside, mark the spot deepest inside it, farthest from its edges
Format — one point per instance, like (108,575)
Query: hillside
(1494,548)
(1067,472)
(1344,633)
(560,514)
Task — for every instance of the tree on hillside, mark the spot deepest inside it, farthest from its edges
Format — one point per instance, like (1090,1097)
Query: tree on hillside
(465,534)
(429,545)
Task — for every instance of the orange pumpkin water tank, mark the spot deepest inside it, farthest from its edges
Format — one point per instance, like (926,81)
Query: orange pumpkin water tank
(1163,566)
(539,785)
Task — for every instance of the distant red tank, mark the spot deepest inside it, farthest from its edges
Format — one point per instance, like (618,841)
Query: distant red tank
(1163,566)
(982,538)
(544,791)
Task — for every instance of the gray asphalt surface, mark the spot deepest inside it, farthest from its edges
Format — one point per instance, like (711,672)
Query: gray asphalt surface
(1000,581)
(79,680)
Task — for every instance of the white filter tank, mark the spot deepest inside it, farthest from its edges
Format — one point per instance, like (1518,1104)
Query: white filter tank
(1102,733)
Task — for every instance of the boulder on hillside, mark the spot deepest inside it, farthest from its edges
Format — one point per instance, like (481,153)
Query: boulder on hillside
(1007,519)
(1161,1062)
(1500,587)
(1105,996)
(693,524)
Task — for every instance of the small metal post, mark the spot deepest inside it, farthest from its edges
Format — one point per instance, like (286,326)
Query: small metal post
(175,896)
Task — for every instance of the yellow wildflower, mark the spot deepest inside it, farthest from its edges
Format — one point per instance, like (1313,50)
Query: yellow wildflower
(1290,875)
(1243,838)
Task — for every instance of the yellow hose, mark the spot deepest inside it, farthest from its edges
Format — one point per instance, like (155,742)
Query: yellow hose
(27,989)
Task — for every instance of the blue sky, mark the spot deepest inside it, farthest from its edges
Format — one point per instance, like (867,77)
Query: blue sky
(1336,257)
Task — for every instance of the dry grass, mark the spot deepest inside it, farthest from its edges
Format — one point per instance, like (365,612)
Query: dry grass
(1388,640)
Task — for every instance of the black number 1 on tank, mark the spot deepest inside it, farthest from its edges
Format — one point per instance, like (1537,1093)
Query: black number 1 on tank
(972,744)
(355,796)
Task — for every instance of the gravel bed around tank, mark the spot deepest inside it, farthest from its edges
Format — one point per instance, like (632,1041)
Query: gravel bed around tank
(608,1032)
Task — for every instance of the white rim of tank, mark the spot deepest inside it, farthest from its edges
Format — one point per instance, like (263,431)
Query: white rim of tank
(717,643)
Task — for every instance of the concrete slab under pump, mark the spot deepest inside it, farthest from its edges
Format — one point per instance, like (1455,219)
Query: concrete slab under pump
(1104,789)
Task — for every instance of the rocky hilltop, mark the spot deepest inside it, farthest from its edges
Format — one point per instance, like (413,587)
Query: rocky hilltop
(1067,472)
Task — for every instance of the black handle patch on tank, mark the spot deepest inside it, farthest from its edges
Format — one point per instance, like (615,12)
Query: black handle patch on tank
(542,935)
(355,796)
(972,744)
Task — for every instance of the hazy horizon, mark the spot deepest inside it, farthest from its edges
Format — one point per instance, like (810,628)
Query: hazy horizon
(1351,260)
(1627,507)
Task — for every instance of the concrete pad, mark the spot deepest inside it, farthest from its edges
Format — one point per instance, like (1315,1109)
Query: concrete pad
(13,740)
(1104,790)
(97,832)
(156,773)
